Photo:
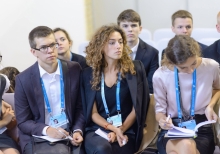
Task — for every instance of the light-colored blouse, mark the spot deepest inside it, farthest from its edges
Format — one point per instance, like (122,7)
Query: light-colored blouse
(207,78)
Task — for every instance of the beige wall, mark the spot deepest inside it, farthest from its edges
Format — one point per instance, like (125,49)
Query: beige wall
(19,17)
(156,13)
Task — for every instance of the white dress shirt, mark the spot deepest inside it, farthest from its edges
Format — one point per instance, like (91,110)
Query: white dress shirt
(134,51)
(52,87)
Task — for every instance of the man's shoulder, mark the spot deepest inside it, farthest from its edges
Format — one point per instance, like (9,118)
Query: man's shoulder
(214,45)
(144,46)
(29,70)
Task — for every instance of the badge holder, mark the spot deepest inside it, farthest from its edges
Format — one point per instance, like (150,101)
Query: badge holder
(190,124)
(115,120)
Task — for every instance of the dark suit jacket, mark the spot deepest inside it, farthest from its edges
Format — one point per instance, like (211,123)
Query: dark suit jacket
(202,47)
(148,55)
(213,51)
(139,93)
(30,106)
(80,59)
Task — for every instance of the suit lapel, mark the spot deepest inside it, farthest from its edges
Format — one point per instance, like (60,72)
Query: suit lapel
(132,84)
(35,79)
(140,51)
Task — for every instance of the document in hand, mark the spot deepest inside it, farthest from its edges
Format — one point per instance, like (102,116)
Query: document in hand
(178,132)
(102,134)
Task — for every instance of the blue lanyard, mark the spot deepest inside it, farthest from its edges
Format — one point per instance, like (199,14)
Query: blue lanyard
(117,94)
(193,97)
(61,91)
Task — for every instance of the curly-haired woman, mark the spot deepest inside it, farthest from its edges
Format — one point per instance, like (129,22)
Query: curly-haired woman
(115,94)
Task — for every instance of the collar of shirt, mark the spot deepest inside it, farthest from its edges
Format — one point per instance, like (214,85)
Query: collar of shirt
(43,71)
(134,50)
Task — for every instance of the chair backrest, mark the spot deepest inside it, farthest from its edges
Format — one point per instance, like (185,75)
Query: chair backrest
(208,41)
(162,33)
(145,34)
(82,48)
(151,43)
(201,33)
(161,45)
(152,127)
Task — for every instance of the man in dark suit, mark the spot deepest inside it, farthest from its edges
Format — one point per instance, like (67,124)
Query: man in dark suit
(130,22)
(65,43)
(182,24)
(213,51)
(48,90)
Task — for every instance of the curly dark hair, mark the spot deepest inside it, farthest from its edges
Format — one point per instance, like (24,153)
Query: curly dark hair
(95,56)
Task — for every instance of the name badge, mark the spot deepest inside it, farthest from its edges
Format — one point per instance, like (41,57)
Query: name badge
(115,120)
(59,120)
(190,124)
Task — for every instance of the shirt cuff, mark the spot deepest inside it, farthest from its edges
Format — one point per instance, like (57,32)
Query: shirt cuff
(78,130)
(44,132)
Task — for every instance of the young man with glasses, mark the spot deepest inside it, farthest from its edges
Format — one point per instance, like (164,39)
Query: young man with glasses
(130,22)
(48,90)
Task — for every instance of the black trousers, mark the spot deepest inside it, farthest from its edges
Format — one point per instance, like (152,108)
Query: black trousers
(204,141)
(75,149)
(98,145)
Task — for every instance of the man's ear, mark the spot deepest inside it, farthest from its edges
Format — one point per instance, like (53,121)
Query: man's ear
(33,51)
(140,28)
(218,27)
(172,28)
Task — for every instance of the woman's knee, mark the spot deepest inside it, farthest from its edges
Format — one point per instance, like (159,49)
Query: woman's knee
(104,149)
(181,146)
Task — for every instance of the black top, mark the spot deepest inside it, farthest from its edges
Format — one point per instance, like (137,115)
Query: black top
(80,59)
(110,96)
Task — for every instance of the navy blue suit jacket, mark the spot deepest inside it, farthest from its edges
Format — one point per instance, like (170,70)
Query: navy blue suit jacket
(139,93)
(148,55)
(30,106)
(213,51)
(80,59)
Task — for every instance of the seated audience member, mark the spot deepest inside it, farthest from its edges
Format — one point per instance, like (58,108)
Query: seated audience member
(11,73)
(182,24)
(65,43)
(48,90)
(213,51)
(130,22)
(7,144)
(115,94)
(183,88)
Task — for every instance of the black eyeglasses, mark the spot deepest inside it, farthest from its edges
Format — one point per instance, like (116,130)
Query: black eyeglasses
(44,49)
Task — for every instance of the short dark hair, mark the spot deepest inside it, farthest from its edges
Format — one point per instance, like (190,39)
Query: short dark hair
(181,14)
(40,31)
(64,31)
(179,49)
(129,15)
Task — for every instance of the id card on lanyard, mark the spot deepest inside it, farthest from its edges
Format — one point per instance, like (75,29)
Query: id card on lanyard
(114,120)
(58,120)
(190,124)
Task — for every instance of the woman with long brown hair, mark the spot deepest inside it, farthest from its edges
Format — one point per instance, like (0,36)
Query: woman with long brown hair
(115,94)
(186,87)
